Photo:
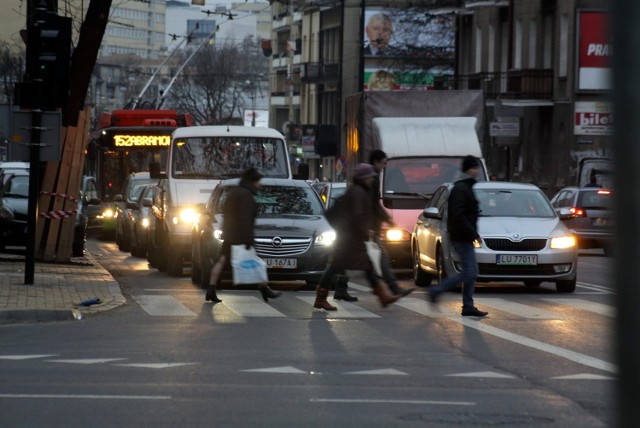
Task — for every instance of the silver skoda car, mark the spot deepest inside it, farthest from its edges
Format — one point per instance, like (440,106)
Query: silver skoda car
(522,238)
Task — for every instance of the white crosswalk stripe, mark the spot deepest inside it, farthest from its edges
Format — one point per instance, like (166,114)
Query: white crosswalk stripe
(598,308)
(162,306)
(345,309)
(249,306)
(523,311)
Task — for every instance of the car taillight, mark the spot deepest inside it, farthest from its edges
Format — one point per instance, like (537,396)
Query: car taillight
(577,212)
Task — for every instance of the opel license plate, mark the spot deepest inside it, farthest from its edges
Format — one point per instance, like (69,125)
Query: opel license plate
(281,263)
(517,259)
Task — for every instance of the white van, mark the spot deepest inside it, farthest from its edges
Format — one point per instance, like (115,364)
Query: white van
(199,157)
(422,153)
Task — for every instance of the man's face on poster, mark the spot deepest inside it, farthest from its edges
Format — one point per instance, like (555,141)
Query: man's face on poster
(379,32)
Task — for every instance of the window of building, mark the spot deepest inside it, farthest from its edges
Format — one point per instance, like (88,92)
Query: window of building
(478,45)
(563,55)
(517,46)
(533,39)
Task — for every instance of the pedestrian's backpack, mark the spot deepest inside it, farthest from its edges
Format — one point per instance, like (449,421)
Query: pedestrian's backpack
(337,213)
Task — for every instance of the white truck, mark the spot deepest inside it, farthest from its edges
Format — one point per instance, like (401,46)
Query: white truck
(199,158)
(425,136)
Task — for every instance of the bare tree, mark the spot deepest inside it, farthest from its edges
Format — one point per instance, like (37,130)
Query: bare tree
(11,69)
(211,87)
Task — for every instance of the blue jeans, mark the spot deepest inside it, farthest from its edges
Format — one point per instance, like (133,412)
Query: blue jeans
(467,277)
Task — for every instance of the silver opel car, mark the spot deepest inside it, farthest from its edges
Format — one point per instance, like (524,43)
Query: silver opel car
(522,238)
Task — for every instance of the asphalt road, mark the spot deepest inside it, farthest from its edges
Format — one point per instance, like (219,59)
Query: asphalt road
(167,358)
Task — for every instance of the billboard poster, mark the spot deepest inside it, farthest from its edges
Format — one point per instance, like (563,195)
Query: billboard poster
(400,78)
(257,118)
(595,51)
(593,118)
(408,32)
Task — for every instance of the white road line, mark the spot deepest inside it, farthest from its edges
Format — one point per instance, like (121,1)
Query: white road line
(494,375)
(345,309)
(598,308)
(524,311)
(595,287)
(383,372)
(162,306)
(87,360)
(25,357)
(89,396)
(157,365)
(370,401)
(249,306)
(421,307)
(285,369)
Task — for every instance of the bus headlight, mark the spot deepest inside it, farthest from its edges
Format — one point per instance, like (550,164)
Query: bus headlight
(187,216)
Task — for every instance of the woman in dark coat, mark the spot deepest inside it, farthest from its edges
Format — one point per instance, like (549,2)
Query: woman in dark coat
(240,211)
(349,248)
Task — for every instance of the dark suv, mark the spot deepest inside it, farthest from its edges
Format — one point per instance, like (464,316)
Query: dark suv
(592,220)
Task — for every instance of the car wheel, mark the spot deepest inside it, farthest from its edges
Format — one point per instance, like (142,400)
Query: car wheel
(152,255)
(442,272)
(532,283)
(123,243)
(420,277)
(568,286)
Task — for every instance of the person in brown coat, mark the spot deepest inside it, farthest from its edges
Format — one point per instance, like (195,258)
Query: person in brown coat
(349,248)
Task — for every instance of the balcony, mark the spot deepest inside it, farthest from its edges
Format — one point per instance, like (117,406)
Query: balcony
(514,84)
(319,72)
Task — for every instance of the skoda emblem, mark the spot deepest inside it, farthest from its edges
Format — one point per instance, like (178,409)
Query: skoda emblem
(277,241)
(516,237)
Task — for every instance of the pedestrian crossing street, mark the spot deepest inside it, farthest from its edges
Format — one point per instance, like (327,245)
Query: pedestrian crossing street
(239,305)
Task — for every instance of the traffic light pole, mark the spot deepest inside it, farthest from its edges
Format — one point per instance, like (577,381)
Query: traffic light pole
(34,182)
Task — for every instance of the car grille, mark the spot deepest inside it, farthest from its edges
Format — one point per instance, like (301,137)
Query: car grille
(287,247)
(491,269)
(508,245)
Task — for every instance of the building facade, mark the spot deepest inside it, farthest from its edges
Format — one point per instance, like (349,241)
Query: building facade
(544,67)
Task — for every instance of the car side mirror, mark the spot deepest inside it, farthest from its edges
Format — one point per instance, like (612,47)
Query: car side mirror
(132,205)
(432,212)
(565,213)
(94,201)
(117,198)
(147,202)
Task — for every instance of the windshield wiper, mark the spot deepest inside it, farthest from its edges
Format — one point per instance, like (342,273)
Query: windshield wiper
(416,195)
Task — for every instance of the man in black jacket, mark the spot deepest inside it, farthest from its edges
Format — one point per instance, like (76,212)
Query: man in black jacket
(462,224)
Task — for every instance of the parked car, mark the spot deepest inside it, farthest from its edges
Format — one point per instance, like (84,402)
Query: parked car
(330,191)
(15,205)
(522,238)
(141,217)
(592,220)
(126,207)
(292,234)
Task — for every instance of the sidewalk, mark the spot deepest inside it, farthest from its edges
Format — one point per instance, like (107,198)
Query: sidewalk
(57,290)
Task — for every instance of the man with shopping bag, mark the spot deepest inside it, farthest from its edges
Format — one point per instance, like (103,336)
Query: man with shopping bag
(352,232)
(240,211)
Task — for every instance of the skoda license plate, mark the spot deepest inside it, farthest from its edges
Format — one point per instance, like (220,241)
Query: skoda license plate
(281,263)
(517,259)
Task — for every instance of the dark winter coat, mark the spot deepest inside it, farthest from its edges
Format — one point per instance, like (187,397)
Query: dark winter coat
(240,211)
(380,215)
(349,249)
(463,212)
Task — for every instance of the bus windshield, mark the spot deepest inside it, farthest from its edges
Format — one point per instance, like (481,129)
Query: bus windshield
(225,157)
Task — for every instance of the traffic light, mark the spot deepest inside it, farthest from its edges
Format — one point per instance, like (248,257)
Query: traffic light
(49,57)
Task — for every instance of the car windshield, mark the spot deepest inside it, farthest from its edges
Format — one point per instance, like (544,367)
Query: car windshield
(16,186)
(137,186)
(283,200)
(513,203)
(418,175)
(596,199)
(226,157)
(336,192)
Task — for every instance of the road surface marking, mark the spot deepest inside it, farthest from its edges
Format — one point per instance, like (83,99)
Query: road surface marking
(87,360)
(162,306)
(584,376)
(157,365)
(26,357)
(420,306)
(249,306)
(345,309)
(595,287)
(89,396)
(598,308)
(374,401)
(483,375)
(524,311)
(386,372)
(286,369)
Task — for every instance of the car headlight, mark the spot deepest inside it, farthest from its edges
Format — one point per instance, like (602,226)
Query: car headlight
(108,213)
(396,235)
(217,234)
(186,215)
(145,222)
(563,242)
(477,243)
(326,238)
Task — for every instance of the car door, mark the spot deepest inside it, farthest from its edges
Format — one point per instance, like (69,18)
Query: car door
(428,230)
(92,211)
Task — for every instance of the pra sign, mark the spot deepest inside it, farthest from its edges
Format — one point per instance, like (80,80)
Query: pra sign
(141,140)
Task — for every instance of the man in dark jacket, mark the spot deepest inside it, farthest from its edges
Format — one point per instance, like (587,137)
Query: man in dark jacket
(349,248)
(462,225)
(240,211)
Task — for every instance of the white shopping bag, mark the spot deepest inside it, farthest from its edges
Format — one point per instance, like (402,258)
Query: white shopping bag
(374,253)
(247,267)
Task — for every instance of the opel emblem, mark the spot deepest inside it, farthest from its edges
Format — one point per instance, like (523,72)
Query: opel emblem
(277,241)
